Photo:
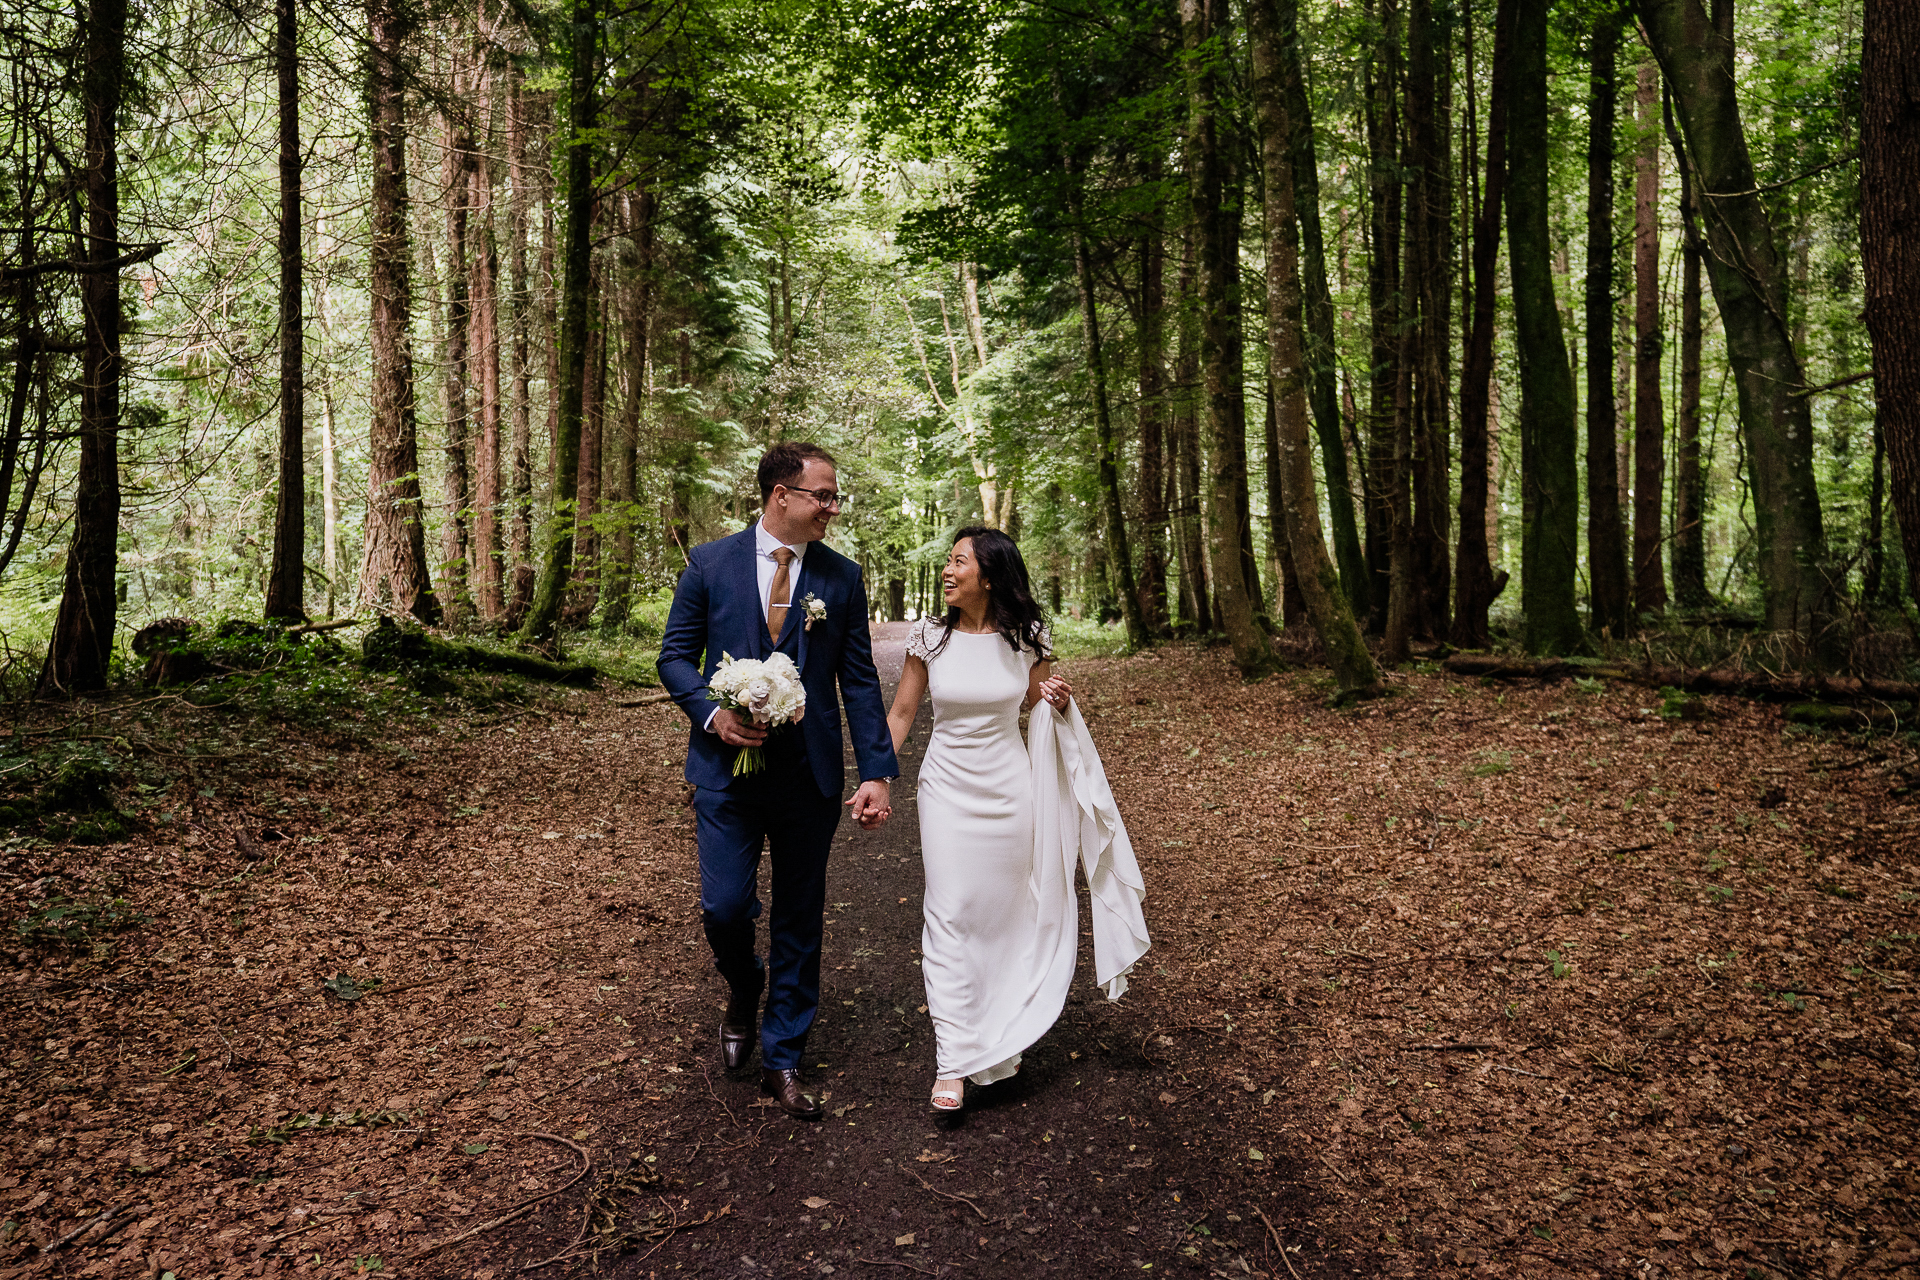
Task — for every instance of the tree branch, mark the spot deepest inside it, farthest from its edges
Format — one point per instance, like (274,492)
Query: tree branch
(77,267)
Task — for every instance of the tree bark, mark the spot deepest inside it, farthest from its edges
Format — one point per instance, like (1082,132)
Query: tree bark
(1291,456)
(393,566)
(1196,595)
(1649,405)
(1749,285)
(1322,355)
(1689,560)
(1548,416)
(1383,298)
(1429,197)
(585,594)
(1607,579)
(1890,247)
(329,498)
(286,579)
(1219,339)
(1152,417)
(1474,587)
(1118,550)
(81,648)
(636,301)
(485,258)
(456,161)
(519,310)
(556,571)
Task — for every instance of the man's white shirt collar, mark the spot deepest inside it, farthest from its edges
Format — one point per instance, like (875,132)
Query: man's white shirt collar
(765,544)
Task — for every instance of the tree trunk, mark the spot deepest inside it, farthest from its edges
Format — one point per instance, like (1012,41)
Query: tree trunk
(585,595)
(1322,355)
(1219,338)
(393,566)
(1606,537)
(286,580)
(549,304)
(519,308)
(81,647)
(1649,406)
(457,159)
(1689,484)
(1118,551)
(1475,588)
(1290,455)
(1890,247)
(1429,198)
(1384,298)
(1548,425)
(583,119)
(329,498)
(1152,417)
(1196,596)
(1749,286)
(637,321)
(486,353)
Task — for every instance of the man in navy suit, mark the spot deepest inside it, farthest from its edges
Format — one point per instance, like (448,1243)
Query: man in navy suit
(749,595)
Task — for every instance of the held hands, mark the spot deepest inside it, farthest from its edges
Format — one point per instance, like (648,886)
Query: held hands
(870,804)
(1056,692)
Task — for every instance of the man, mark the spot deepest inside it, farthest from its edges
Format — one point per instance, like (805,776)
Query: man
(761,590)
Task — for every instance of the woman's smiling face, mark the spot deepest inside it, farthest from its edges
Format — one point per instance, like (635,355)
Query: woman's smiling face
(961,578)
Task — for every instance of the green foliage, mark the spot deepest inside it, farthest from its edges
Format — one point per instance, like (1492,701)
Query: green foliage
(1491,764)
(1678,704)
(74,922)
(358,1118)
(348,989)
(1085,638)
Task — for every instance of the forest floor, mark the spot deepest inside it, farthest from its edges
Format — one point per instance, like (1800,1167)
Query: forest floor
(1514,981)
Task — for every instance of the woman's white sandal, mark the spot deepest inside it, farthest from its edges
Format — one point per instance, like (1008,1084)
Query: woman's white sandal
(948,1101)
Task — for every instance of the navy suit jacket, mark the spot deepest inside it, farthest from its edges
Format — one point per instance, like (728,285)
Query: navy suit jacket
(716,610)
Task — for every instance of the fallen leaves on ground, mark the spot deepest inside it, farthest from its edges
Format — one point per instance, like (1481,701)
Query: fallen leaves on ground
(1523,981)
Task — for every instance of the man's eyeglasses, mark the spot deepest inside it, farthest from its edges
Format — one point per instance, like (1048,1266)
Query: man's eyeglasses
(825,497)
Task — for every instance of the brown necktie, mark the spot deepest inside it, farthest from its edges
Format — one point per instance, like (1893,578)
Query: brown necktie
(781,593)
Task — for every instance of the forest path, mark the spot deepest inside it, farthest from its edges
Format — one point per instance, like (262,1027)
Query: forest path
(1071,1169)
(1523,981)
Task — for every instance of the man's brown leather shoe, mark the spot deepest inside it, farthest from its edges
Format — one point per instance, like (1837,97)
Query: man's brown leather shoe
(784,1086)
(737,1032)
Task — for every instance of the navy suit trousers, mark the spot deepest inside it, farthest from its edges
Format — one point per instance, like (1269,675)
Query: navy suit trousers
(779,809)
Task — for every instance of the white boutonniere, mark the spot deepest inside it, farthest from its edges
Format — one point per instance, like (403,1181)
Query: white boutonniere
(816,609)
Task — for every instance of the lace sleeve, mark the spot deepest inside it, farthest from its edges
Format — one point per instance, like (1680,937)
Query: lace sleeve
(917,643)
(1042,650)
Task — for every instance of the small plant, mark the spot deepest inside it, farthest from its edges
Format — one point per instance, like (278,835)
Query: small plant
(1491,764)
(75,922)
(359,1118)
(1720,893)
(1560,963)
(1587,684)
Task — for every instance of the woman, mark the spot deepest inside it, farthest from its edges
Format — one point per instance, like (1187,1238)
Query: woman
(998,940)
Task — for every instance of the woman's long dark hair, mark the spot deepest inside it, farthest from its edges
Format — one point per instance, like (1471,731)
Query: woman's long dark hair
(1011,608)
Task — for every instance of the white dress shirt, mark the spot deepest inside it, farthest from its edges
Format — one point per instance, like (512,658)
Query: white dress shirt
(764,567)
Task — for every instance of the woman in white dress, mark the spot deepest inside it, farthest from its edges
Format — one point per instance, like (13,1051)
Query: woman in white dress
(985,663)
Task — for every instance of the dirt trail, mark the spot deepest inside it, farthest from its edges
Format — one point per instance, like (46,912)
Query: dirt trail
(1075,1168)
(1529,982)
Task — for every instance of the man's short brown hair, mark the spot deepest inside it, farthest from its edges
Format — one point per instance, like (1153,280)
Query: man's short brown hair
(786,462)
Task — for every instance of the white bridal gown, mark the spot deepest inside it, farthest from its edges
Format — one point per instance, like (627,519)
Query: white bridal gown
(999,835)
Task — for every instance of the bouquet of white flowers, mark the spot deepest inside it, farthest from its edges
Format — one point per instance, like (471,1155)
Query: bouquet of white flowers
(769,692)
